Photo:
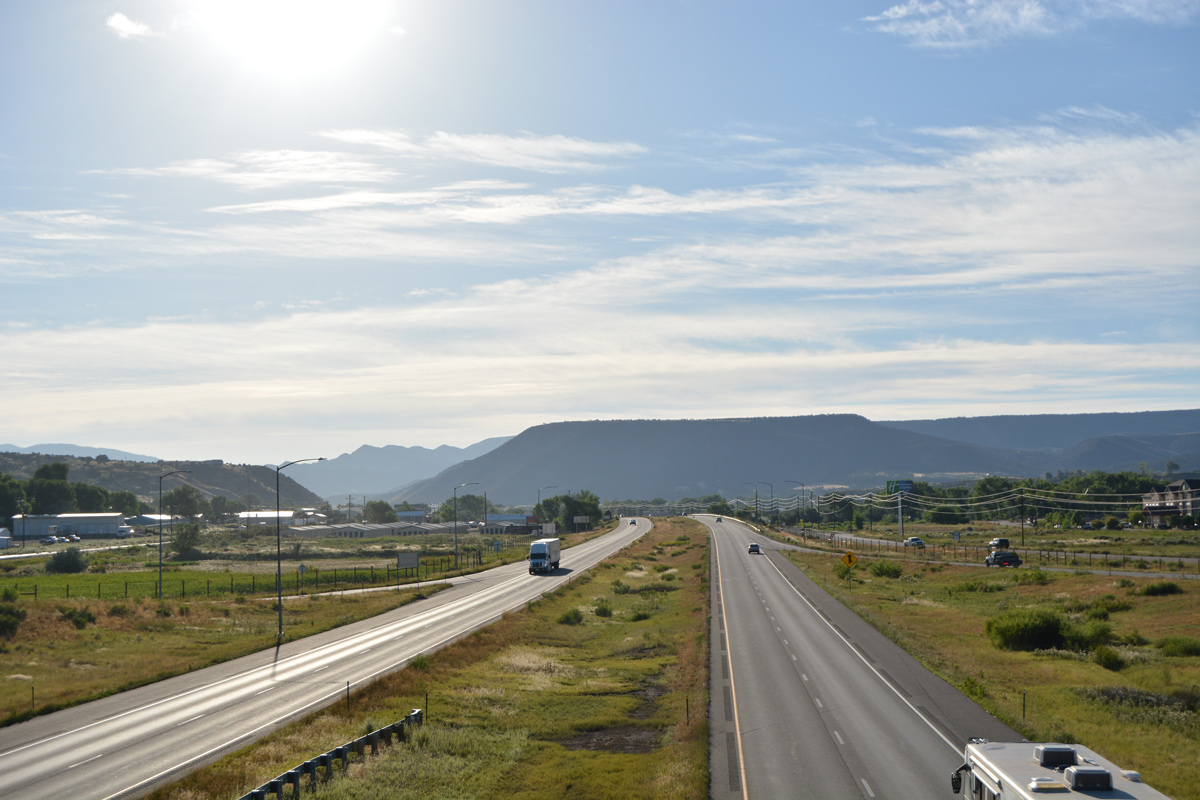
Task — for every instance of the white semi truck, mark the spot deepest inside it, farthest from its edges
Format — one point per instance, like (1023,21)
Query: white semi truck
(543,555)
(1033,770)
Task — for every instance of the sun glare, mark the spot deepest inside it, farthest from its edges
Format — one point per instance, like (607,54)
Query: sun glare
(291,40)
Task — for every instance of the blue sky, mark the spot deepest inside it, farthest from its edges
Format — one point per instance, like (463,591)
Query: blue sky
(262,231)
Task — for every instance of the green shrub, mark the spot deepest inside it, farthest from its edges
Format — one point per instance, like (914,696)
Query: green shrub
(119,610)
(572,617)
(1031,577)
(603,609)
(638,616)
(620,587)
(887,569)
(840,571)
(1160,588)
(1108,658)
(79,617)
(11,617)
(419,662)
(8,595)
(1178,646)
(1027,629)
(67,562)
(1088,636)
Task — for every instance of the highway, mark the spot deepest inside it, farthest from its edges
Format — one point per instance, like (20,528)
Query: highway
(807,700)
(127,744)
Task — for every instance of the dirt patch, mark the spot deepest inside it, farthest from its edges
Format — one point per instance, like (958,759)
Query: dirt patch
(649,696)
(624,739)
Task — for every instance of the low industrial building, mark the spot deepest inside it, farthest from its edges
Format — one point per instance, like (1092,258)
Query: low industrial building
(85,526)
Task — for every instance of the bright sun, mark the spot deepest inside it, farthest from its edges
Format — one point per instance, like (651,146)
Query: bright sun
(291,40)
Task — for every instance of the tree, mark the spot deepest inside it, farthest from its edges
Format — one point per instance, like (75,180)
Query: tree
(66,562)
(470,506)
(126,502)
(250,501)
(379,512)
(1172,468)
(946,515)
(185,540)
(186,501)
(57,471)
(50,496)
(90,498)
(222,506)
(12,494)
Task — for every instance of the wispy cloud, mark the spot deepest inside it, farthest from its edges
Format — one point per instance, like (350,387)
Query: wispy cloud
(963,24)
(126,28)
(269,169)
(551,154)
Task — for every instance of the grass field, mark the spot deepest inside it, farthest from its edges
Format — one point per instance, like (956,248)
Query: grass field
(1141,710)
(69,651)
(598,690)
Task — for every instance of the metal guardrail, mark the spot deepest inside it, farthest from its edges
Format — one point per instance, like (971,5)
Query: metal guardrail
(321,768)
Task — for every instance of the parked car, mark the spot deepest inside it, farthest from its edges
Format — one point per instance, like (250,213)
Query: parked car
(70,537)
(754,548)
(998,543)
(1002,558)
(48,540)
(914,541)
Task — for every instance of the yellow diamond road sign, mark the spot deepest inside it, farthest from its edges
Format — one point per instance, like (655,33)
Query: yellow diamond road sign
(849,559)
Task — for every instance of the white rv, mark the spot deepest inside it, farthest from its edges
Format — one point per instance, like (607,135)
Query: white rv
(1034,770)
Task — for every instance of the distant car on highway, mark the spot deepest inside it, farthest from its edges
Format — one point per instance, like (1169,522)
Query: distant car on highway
(753,548)
(720,520)
(998,543)
(914,541)
(1002,558)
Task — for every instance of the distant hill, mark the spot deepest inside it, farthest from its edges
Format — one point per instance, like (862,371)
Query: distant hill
(1117,453)
(76,450)
(376,470)
(1052,431)
(621,459)
(141,478)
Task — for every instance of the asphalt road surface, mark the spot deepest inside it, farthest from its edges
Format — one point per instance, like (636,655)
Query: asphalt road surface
(809,701)
(127,744)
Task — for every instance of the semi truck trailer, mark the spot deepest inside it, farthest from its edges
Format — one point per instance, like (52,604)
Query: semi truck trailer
(543,555)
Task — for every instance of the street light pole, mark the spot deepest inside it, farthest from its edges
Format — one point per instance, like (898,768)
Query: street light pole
(455,493)
(539,503)
(279,544)
(160,516)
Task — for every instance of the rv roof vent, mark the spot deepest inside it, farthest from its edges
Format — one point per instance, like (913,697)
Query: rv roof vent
(1083,779)
(1054,756)
(1131,775)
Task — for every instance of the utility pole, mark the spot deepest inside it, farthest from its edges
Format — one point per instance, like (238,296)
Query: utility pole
(1021,495)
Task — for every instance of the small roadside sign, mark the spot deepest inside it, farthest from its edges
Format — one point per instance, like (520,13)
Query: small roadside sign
(302,569)
(849,559)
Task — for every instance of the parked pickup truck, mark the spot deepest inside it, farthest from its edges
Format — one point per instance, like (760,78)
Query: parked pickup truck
(1002,558)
